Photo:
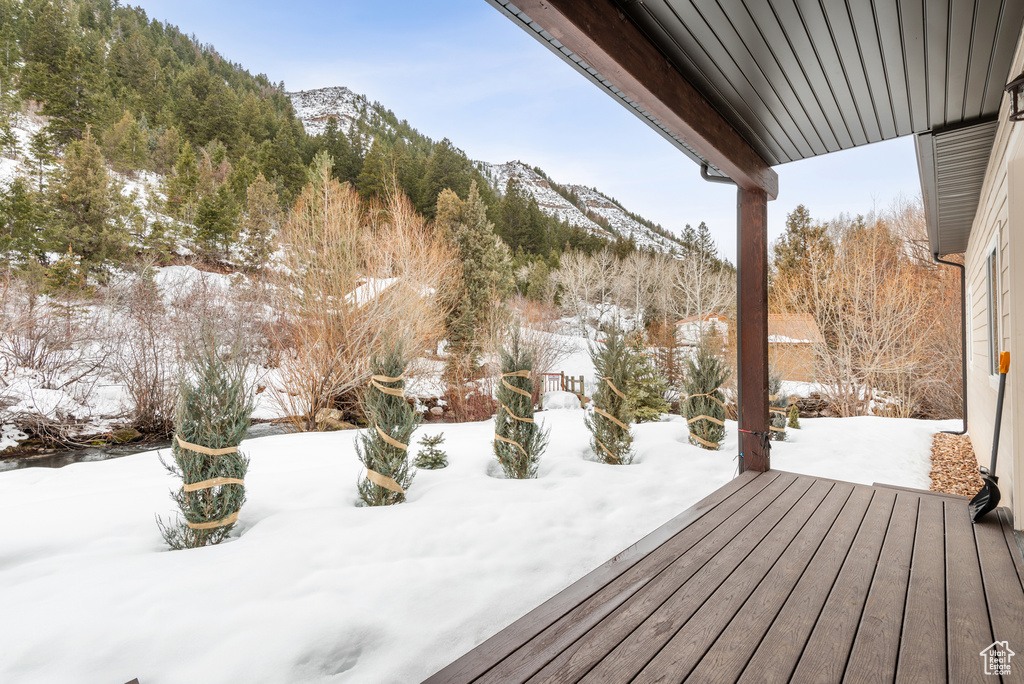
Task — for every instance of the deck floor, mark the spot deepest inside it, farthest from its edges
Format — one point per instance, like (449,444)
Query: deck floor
(779,577)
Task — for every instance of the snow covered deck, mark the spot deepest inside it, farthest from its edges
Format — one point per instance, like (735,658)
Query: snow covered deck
(781,577)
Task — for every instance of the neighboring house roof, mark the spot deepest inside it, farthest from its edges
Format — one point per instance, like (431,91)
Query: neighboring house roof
(688,330)
(708,317)
(797,328)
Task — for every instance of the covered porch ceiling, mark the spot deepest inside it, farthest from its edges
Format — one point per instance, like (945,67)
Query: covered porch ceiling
(795,79)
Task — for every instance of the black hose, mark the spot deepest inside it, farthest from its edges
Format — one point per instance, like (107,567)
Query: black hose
(963,338)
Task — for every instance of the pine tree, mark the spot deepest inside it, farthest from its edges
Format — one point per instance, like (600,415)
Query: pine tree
(486,267)
(260,223)
(609,423)
(647,387)
(794,417)
(215,221)
(430,456)
(518,440)
(214,413)
(41,147)
(181,185)
(20,216)
(776,408)
(802,246)
(383,448)
(86,207)
(447,168)
(704,407)
(519,221)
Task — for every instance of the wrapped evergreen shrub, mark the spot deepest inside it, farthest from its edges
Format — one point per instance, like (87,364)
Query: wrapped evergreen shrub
(383,448)
(518,440)
(213,415)
(647,388)
(704,405)
(609,423)
(777,415)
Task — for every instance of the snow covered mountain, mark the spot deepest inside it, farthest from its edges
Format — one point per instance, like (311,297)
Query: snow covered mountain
(587,208)
(315,107)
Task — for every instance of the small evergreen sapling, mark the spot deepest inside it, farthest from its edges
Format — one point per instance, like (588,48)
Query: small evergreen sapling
(647,388)
(214,412)
(518,440)
(704,407)
(609,424)
(794,417)
(430,456)
(776,408)
(383,447)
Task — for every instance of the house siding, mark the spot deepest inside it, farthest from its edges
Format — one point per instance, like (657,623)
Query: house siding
(1000,221)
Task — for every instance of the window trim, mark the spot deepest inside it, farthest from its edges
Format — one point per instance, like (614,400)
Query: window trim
(993,295)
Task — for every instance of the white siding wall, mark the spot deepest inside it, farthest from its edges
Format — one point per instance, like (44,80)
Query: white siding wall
(1000,212)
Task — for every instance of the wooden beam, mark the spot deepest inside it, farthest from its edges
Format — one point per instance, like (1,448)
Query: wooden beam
(752,327)
(600,34)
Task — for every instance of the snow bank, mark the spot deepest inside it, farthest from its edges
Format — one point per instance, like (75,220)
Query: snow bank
(314,589)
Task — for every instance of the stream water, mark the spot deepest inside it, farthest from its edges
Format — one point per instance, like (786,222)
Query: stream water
(63,457)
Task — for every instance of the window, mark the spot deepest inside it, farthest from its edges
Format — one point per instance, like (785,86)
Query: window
(992,282)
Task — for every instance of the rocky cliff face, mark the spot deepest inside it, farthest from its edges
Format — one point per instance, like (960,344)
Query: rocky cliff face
(586,208)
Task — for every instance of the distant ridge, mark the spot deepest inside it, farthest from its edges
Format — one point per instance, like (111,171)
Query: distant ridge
(580,206)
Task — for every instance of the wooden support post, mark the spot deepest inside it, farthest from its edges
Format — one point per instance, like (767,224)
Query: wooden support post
(752,326)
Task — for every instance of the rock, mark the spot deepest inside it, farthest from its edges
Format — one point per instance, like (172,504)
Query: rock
(329,419)
(437,411)
(125,435)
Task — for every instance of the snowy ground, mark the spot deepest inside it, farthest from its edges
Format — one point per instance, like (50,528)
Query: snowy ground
(312,588)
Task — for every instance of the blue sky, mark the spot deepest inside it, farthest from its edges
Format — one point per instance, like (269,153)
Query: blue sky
(461,70)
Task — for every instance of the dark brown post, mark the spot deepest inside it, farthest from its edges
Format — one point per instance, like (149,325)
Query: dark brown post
(752,326)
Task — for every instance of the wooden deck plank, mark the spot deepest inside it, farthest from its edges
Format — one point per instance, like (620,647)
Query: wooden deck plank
(725,661)
(780,651)
(780,577)
(583,655)
(537,652)
(923,648)
(967,624)
(876,647)
(747,559)
(829,645)
(480,659)
(797,536)
(1003,589)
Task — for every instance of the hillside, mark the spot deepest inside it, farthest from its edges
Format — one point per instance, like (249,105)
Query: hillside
(578,205)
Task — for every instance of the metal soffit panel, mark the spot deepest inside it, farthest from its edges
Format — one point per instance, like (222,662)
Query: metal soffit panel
(952,165)
(800,78)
